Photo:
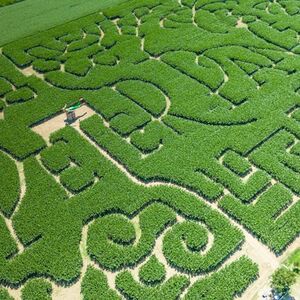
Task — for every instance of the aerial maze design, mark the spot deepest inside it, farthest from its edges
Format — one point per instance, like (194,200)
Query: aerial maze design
(194,142)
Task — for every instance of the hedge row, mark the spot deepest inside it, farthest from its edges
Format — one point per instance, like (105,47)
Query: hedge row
(9,182)
(21,95)
(226,238)
(247,191)
(78,67)
(153,272)
(24,142)
(8,247)
(52,43)
(182,245)
(117,194)
(4,295)
(247,109)
(286,39)
(151,138)
(56,158)
(94,286)
(169,290)
(148,171)
(145,95)
(185,61)
(89,40)
(236,163)
(227,283)
(267,218)
(76,174)
(44,66)
(44,53)
(224,284)
(49,231)
(273,157)
(126,251)
(5,87)
(124,115)
(37,289)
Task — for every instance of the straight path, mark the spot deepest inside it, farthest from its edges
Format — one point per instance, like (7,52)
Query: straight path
(31,16)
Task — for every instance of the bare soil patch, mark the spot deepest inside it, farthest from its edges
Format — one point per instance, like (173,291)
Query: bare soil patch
(48,127)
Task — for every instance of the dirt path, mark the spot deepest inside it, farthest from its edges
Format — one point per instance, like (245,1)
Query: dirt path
(194,16)
(252,248)
(295,290)
(259,253)
(254,292)
(31,72)
(50,126)
(241,24)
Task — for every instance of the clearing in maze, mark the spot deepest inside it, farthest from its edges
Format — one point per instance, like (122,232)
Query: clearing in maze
(179,177)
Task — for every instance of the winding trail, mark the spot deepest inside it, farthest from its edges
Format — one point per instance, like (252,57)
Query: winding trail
(258,252)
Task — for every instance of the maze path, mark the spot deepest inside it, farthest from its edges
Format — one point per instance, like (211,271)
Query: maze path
(186,96)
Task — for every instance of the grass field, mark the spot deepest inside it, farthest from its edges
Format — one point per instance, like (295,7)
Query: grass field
(31,16)
(8,2)
(179,178)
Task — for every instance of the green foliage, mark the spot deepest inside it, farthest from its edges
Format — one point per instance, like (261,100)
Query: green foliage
(184,101)
(5,87)
(75,180)
(77,45)
(78,66)
(127,154)
(119,230)
(56,157)
(169,290)
(20,95)
(182,245)
(283,279)
(273,157)
(130,30)
(23,143)
(153,272)
(45,66)
(147,96)
(124,115)
(8,2)
(2,105)
(94,286)
(236,163)
(185,61)
(294,258)
(8,246)
(37,289)
(44,53)
(4,295)
(265,217)
(105,59)
(225,284)
(10,186)
(140,12)
(286,39)
(151,138)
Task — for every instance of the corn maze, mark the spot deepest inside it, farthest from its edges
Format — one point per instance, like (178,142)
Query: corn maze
(191,149)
